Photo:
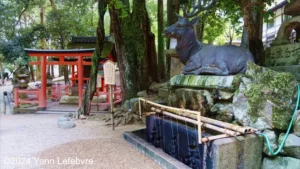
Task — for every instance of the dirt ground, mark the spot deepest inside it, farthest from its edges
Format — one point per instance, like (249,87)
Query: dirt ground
(34,141)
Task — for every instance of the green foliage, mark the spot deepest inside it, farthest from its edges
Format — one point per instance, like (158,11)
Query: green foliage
(119,5)
(70,18)
(214,27)
(13,49)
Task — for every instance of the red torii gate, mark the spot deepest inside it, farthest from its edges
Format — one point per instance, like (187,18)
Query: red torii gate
(76,55)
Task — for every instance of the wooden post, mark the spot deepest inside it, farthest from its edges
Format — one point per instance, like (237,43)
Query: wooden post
(16,97)
(43,94)
(73,74)
(199,127)
(80,80)
(110,79)
(111,107)
(140,108)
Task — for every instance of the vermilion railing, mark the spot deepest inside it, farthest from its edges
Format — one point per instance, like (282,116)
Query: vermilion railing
(117,96)
(55,92)
(32,96)
(58,90)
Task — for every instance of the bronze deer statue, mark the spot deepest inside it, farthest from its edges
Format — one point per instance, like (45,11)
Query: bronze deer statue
(199,58)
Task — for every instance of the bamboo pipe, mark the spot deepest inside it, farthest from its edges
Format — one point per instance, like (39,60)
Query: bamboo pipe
(193,114)
(221,130)
(210,138)
(148,113)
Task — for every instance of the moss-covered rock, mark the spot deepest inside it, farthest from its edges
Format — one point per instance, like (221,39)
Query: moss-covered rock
(222,112)
(273,142)
(265,98)
(291,146)
(198,100)
(222,95)
(229,83)
(130,105)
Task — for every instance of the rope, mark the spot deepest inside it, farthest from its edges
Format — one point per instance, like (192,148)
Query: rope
(287,132)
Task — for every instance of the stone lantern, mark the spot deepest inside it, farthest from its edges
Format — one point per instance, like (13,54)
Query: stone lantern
(21,78)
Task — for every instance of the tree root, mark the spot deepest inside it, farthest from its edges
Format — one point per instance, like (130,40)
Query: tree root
(123,118)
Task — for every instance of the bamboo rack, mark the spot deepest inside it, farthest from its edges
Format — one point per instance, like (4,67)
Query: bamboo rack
(193,114)
(205,139)
(210,138)
(206,125)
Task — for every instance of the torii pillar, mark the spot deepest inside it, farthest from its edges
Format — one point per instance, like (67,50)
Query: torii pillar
(43,94)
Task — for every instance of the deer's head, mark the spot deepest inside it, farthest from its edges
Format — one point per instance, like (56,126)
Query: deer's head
(182,30)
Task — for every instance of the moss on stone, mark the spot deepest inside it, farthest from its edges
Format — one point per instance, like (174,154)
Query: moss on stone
(229,83)
(277,88)
(255,101)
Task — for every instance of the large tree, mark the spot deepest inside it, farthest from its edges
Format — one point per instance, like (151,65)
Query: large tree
(135,46)
(160,39)
(91,88)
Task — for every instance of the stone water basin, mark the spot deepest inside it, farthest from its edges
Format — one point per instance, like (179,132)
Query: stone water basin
(174,144)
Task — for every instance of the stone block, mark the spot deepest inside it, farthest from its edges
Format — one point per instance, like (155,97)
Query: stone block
(291,146)
(229,83)
(281,163)
(296,125)
(243,152)
(283,55)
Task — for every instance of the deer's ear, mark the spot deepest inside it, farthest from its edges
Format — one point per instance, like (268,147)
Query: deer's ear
(194,21)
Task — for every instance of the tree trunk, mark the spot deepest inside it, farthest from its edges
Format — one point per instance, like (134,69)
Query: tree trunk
(172,8)
(91,88)
(43,44)
(245,41)
(135,47)
(200,28)
(253,25)
(161,46)
(31,73)
(2,74)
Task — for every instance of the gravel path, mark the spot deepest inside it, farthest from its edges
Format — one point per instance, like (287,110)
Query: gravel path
(35,141)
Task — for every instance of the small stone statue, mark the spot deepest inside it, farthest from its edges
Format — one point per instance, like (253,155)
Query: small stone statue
(200,58)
